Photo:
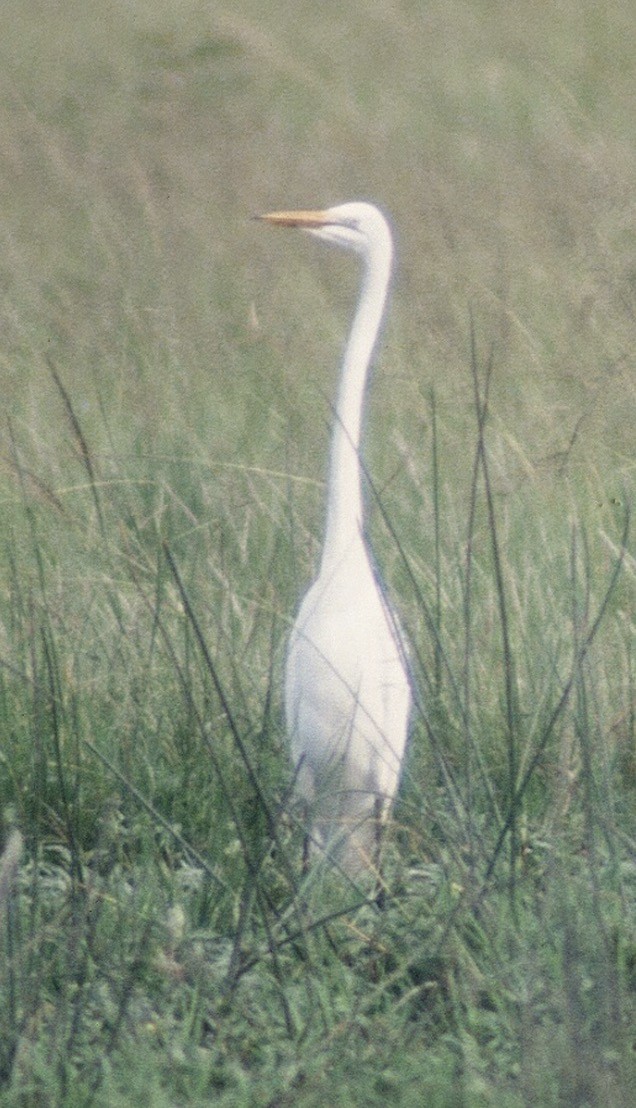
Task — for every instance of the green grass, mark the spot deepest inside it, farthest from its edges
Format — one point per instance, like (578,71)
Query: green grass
(167,368)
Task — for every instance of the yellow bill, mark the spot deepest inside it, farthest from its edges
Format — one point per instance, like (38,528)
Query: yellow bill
(295,219)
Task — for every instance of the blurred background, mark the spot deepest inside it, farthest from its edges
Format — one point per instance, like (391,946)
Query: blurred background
(139,138)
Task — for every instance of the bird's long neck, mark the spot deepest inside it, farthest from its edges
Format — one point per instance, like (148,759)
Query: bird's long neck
(344,505)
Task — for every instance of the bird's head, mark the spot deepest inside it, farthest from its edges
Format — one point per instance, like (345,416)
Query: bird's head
(355,226)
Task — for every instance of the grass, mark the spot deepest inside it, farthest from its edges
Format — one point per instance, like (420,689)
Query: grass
(166,376)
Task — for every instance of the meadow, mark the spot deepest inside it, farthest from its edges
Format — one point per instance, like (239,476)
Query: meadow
(167,370)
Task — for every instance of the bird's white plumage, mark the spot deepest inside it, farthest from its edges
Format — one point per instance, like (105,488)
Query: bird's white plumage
(347,694)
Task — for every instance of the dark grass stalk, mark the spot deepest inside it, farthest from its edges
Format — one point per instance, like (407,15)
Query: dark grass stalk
(48,720)
(69,805)
(468,610)
(277,971)
(471,901)
(239,964)
(253,890)
(221,694)
(410,650)
(481,396)
(234,971)
(18,607)
(580,654)
(607,985)
(318,924)
(411,654)
(80,438)
(42,487)
(266,721)
(463,804)
(126,993)
(186,686)
(73,993)
(87,462)
(51,679)
(578,617)
(254,865)
(264,724)
(437,549)
(29,515)
(598,806)
(39,730)
(631,694)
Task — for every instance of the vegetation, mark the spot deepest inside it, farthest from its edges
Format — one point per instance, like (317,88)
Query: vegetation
(166,370)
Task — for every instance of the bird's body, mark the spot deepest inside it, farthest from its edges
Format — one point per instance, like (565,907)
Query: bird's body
(344,695)
(347,693)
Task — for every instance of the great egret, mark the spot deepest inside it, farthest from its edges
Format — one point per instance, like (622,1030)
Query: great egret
(347,694)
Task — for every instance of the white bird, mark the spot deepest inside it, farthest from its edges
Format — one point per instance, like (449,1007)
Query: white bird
(347,691)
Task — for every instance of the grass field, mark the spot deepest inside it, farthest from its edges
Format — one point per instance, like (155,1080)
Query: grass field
(167,368)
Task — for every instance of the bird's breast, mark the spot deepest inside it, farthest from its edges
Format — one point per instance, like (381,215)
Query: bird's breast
(345,663)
